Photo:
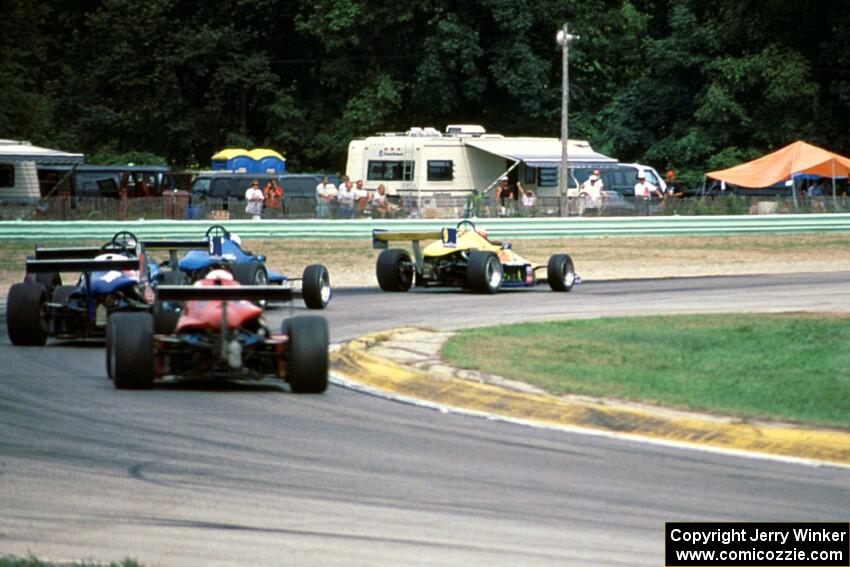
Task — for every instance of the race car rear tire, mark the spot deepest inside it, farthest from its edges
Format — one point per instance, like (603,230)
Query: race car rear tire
(316,286)
(26,314)
(252,273)
(307,354)
(484,272)
(166,315)
(62,293)
(560,272)
(110,345)
(394,270)
(246,274)
(132,351)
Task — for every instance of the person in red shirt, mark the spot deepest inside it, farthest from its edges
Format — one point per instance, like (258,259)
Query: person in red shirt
(273,196)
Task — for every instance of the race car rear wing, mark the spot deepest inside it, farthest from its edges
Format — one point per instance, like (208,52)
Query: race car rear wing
(381,238)
(224,293)
(175,244)
(83,252)
(84,266)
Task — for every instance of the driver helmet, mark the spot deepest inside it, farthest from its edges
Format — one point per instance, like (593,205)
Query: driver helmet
(220,275)
(235,238)
(481,232)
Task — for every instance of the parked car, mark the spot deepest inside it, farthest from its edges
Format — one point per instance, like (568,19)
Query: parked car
(299,190)
(621,177)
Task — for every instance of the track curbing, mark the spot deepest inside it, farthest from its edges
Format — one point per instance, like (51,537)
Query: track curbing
(357,365)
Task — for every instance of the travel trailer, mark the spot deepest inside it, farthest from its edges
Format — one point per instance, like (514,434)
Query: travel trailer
(19,162)
(424,163)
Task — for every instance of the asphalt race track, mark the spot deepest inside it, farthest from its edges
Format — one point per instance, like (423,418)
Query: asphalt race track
(208,475)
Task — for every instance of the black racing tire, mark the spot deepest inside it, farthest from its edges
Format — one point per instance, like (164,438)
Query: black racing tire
(394,270)
(560,272)
(316,286)
(50,280)
(246,273)
(62,293)
(132,351)
(110,344)
(26,314)
(166,314)
(484,272)
(307,354)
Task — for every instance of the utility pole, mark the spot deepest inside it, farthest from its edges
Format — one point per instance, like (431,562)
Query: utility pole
(564,38)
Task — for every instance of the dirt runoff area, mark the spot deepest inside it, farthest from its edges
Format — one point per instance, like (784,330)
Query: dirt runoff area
(352,263)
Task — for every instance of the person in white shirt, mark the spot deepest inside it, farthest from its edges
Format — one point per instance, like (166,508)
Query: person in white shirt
(528,199)
(325,196)
(254,200)
(345,199)
(361,197)
(592,189)
(644,190)
(380,205)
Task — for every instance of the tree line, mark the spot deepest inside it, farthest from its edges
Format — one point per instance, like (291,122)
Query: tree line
(684,85)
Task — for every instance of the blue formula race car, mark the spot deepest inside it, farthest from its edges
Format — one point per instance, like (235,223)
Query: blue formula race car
(113,278)
(221,249)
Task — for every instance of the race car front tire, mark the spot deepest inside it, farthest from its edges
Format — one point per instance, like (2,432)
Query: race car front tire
(560,272)
(132,351)
(252,273)
(316,286)
(307,354)
(26,314)
(394,270)
(484,272)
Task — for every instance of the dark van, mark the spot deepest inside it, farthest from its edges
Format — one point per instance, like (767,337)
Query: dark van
(299,190)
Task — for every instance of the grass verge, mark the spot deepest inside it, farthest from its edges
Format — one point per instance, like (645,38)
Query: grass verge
(792,367)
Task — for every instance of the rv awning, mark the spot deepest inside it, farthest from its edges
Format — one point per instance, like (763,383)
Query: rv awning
(541,152)
(798,158)
(14,150)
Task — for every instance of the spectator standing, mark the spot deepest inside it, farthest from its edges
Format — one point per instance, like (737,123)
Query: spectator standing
(380,204)
(254,200)
(505,195)
(273,196)
(345,200)
(325,197)
(643,192)
(527,198)
(592,189)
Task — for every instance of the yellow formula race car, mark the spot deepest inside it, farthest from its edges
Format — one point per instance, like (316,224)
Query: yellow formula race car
(463,257)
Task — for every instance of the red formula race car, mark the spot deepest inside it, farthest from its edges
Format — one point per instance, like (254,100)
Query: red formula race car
(220,333)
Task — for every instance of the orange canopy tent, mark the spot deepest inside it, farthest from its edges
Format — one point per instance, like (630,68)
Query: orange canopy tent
(798,158)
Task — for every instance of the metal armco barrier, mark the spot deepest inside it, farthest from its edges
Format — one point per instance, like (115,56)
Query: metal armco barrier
(498,228)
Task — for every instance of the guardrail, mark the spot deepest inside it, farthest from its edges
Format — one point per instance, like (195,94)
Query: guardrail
(498,228)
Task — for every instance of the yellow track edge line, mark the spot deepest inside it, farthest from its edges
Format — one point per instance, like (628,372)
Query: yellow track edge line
(358,368)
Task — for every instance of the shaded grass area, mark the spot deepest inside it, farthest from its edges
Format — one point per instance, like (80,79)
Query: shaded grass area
(11,561)
(792,367)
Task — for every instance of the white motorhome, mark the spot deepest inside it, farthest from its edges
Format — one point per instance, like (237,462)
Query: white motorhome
(19,163)
(424,163)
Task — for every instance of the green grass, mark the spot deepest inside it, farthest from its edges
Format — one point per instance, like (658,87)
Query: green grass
(12,561)
(792,367)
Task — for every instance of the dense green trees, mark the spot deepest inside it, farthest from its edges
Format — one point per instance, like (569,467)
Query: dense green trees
(682,84)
